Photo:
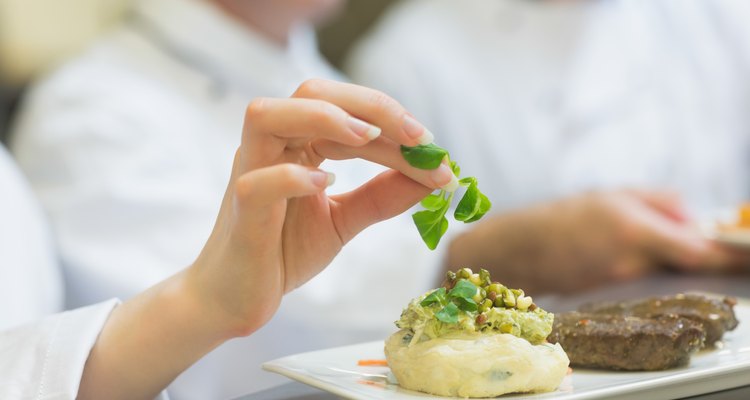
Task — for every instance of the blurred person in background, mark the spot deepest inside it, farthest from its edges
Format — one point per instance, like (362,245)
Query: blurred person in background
(275,206)
(127,147)
(601,130)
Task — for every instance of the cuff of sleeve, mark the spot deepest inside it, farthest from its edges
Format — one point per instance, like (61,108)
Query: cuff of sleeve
(71,337)
(45,360)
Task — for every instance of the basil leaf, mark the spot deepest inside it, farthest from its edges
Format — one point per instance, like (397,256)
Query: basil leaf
(431,226)
(467,181)
(433,202)
(463,289)
(470,203)
(484,207)
(432,223)
(449,314)
(437,296)
(424,156)
(455,168)
(466,304)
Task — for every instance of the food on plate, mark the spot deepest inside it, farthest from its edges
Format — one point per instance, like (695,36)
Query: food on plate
(741,221)
(715,314)
(475,338)
(619,342)
(644,334)
(744,216)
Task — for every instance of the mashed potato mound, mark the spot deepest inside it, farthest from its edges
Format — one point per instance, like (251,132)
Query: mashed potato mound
(475,364)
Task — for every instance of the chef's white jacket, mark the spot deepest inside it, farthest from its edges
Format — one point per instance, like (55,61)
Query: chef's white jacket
(543,99)
(41,358)
(30,280)
(129,148)
(45,359)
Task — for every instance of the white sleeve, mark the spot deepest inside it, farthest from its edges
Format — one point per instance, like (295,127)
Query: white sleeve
(30,281)
(45,360)
(125,215)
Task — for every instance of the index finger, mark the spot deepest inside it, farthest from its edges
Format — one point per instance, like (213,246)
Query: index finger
(370,105)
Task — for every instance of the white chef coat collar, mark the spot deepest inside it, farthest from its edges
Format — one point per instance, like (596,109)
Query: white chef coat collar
(226,49)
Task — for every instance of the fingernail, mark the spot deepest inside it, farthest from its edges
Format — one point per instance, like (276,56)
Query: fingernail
(444,178)
(322,179)
(363,129)
(452,186)
(417,131)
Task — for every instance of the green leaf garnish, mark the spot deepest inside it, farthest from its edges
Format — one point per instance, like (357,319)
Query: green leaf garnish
(449,314)
(465,304)
(463,289)
(437,296)
(433,202)
(470,204)
(484,207)
(458,298)
(424,156)
(462,294)
(455,168)
(432,223)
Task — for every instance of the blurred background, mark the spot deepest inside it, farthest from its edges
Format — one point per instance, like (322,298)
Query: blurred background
(36,35)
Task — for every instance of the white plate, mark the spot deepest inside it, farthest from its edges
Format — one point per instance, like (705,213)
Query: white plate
(336,371)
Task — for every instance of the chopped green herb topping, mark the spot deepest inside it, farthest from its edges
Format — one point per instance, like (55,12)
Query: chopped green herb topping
(472,302)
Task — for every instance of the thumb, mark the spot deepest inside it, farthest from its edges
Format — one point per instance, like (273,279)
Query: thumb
(385,196)
(265,186)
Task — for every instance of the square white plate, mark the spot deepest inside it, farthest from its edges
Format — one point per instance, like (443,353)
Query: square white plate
(336,371)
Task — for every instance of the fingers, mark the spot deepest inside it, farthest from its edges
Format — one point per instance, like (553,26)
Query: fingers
(272,125)
(387,153)
(669,203)
(666,234)
(385,196)
(265,186)
(370,105)
(643,222)
(676,243)
(335,120)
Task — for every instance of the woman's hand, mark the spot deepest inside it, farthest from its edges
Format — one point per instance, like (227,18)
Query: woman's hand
(277,227)
(592,239)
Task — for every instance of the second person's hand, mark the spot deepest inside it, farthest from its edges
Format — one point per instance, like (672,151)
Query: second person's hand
(587,240)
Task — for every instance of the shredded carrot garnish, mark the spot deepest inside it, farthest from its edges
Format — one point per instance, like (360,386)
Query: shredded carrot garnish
(371,363)
(381,385)
(570,370)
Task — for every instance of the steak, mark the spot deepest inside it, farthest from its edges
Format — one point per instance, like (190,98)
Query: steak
(594,340)
(715,314)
